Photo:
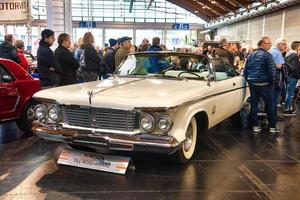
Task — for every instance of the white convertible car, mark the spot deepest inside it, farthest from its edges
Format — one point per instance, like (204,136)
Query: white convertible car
(155,102)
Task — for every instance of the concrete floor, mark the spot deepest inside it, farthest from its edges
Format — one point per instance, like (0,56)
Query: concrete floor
(230,164)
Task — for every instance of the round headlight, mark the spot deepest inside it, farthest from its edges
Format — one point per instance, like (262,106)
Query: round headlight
(164,123)
(147,123)
(54,113)
(40,111)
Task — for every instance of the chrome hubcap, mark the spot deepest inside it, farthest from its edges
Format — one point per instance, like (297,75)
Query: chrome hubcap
(189,138)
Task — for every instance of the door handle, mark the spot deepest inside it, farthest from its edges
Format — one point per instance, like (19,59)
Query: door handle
(233,84)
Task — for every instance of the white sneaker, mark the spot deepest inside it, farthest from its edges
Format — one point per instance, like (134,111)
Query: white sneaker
(256,129)
(274,131)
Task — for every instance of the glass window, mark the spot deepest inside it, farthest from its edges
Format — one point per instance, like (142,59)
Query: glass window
(4,76)
(148,34)
(1,32)
(97,32)
(223,69)
(117,33)
(113,10)
(179,38)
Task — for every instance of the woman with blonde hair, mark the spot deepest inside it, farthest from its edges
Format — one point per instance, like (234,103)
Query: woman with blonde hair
(78,50)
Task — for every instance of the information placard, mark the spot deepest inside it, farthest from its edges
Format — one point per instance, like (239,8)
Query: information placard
(107,163)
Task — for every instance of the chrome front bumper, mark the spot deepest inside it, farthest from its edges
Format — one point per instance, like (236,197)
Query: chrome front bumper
(136,142)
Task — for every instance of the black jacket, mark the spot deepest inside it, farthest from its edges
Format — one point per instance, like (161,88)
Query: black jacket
(68,66)
(8,51)
(221,52)
(109,60)
(92,60)
(293,60)
(48,68)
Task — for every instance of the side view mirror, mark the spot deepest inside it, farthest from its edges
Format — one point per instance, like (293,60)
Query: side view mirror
(6,79)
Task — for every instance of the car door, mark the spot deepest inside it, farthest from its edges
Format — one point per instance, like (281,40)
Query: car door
(9,95)
(229,90)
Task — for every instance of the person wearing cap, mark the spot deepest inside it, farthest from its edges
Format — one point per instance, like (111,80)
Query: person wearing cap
(47,66)
(125,46)
(20,49)
(109,58)
(66,60)
(7,50)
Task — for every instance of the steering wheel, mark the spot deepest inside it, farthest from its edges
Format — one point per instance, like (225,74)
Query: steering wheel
(187,72)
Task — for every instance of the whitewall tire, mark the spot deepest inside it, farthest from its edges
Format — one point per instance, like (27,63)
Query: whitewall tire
(187,150)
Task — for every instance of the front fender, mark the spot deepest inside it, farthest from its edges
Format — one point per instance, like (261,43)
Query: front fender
(184,114)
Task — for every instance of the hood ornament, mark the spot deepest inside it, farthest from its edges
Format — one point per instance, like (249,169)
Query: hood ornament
(90,94)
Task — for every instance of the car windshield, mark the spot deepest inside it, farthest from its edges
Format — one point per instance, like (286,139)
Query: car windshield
(171,65)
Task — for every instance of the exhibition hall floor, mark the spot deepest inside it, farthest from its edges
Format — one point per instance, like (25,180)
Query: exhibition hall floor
(231,164)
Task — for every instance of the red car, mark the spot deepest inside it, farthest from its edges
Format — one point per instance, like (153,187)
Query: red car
(16,90)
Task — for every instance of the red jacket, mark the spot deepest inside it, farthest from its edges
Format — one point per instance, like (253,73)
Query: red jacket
(24,62)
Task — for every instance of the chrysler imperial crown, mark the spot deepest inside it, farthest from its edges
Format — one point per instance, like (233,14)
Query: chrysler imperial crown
(157,102)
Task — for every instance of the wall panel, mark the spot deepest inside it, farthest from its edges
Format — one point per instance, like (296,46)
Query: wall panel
(273,25)
(292,24)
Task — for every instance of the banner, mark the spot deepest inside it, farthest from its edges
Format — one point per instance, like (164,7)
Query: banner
(13,11)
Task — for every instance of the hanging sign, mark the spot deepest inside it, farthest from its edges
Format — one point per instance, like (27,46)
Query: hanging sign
(13,11)
(179,26)
(108,163)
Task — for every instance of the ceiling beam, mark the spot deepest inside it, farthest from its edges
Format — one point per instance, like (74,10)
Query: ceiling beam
(213,7)
(193,5)
(149,5)
(263,1)
(244,3)
(227,5)
(205,15)
(131,6)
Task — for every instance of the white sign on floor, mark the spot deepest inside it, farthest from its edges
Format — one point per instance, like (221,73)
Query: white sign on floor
(107,163)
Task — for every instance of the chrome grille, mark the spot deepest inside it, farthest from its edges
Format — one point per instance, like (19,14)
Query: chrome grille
(102,118)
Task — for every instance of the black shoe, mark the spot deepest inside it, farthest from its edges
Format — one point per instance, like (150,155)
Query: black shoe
(289,113)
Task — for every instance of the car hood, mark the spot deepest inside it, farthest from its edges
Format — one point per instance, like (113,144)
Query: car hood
(128,93)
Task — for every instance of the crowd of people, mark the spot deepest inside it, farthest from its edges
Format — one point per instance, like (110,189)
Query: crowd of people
(272,74)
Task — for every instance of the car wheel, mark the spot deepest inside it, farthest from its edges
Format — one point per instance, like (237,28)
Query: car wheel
(27,117)
(241,118)
(187,150)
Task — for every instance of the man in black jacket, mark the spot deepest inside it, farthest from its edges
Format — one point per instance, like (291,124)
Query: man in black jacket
(7,50)
(109,58)
(223,51)
(66,60)
(47,66)
(293,60)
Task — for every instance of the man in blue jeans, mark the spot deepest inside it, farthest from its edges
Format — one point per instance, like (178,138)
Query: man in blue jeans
(279,62)
(260,73)
(292,58)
